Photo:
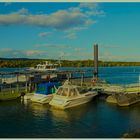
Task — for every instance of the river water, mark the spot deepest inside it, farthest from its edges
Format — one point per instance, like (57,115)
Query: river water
(96,119)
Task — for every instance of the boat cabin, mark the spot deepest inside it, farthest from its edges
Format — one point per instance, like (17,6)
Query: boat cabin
(67,90)
(47,65)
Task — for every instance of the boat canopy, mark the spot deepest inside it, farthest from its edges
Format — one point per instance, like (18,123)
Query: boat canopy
(47,88)
(68,90)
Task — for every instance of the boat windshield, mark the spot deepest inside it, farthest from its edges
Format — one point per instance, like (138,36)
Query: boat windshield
(73,92)
(62,91)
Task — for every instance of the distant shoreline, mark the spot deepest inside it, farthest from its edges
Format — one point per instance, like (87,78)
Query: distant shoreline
(26,63)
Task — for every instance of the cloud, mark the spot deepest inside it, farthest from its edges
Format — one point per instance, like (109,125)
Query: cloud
(51,45)
(70,36)
(89,5)
(79,49)
(64,55)
(108,46)
(7,3)
(22,11)
(44,34)
(109,56)
(72,33)
(6,52)
(60,20)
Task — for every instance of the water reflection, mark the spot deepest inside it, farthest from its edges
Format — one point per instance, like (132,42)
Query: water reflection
(38,110)
(134,113)
(71,114)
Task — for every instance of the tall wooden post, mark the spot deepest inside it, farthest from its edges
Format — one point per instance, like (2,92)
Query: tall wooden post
(96,61)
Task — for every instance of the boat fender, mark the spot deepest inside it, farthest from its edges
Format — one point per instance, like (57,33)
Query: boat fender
(22,93)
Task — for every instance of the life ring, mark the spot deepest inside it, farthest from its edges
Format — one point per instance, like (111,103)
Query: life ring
(47,77)
(93,81)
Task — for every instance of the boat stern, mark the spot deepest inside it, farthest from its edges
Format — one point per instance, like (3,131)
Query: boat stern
(58,102)
(42,99)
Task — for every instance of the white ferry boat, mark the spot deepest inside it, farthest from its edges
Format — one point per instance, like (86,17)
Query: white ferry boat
(47,66)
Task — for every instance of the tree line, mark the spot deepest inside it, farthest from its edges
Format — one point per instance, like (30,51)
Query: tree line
(21,63)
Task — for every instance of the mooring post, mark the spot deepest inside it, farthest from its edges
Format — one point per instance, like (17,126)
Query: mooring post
(17,76)
(69,76)
(82,79)
(96,61)
(26,84)
(1,83)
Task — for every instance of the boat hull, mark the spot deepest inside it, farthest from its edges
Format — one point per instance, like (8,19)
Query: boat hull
(40,98)
(64,102)
(111,99)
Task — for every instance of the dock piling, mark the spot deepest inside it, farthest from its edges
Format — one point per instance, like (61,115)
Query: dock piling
(96,61)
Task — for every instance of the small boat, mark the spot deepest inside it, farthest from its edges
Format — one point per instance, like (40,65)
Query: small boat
(69,95)
(128,99)
(124,99)
(47,66)
(43,94)
(126,96)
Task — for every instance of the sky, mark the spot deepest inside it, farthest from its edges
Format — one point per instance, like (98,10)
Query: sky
(69,30)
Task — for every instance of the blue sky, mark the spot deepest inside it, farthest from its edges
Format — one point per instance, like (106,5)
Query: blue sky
(69,30)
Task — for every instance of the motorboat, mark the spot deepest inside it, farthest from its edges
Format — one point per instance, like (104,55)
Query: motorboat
(69,95)
(43,94)
(47,66)
(130,95)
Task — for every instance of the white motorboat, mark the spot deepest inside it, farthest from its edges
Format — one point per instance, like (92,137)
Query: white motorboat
(43,94)
(69,95)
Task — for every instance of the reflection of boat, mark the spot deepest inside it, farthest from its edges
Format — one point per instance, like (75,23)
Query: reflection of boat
(70,95)
(47,66)
(71,114)
(44,93)
(38,109)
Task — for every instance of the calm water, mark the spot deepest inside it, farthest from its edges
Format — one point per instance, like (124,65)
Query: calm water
(96,119)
